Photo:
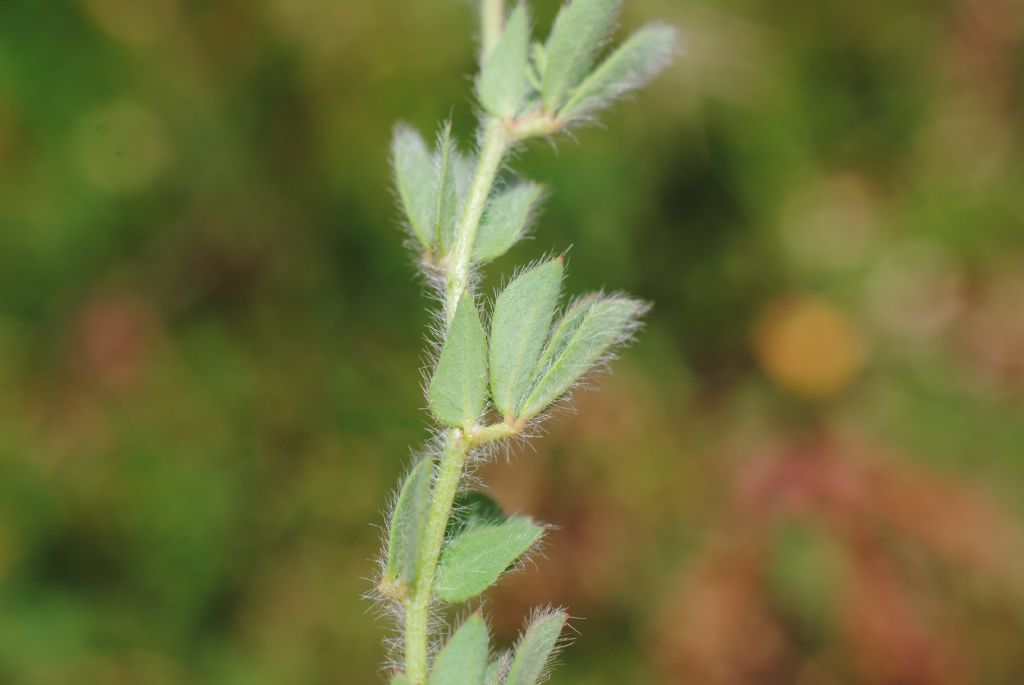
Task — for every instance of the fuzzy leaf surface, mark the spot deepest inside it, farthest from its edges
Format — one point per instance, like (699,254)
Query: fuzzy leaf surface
(446,197)
(519,327)
(414,172)
(463,660)
(536,648)
(505,220)
(458,388)
(473,508)
(407,523)
(585,334)
(504,78)
(633,64)
(474,560)
(399,679)
(580,29)
(465,166)
(496,670)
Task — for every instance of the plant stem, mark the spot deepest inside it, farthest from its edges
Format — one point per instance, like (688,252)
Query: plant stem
(417,607)
(492,16)
(492,152)
(458,444)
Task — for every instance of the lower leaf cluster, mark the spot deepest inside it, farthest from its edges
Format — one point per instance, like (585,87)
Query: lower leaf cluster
(466,657)
(482,543)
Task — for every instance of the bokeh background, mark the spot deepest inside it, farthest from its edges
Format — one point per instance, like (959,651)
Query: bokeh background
(809,470)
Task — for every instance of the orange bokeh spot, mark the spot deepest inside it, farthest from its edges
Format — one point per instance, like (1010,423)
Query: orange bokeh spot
(808,346)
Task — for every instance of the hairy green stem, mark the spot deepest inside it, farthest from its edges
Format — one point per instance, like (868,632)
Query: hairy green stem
(492,16)
(492,152)
(497,137)
(417,607)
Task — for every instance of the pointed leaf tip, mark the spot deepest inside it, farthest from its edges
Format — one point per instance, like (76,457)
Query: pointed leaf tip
(458,388)
(519,327)
(536,649)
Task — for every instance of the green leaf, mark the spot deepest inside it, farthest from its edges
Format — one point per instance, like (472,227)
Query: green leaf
(584,335)
(505,220)
(564,329)
(536,648)
(535,70)
(463,660)
(408,521)
(465,166)
(458,388)
(415,173)
(632,65)
(474,560)
(579,30)
(446,198)
(519,327)
(472,509)
(496,670)
(400,679)
(538,59)
(504,78)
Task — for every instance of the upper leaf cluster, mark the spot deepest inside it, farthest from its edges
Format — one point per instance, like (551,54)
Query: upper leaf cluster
(558,78)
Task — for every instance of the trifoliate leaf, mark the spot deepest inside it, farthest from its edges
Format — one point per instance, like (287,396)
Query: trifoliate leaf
(463,660)
(446,198)
(505,220)
(504,78)
(536,648)
(632,65)
(586,332)
(519,327)
(579,30)
(415,172)
(408,521)
(458,388)
(474,559)
(472,509)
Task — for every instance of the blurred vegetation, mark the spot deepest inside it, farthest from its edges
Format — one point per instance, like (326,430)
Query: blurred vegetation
(808,471)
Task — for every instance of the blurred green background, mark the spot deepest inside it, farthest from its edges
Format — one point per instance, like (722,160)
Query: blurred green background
(809,470)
